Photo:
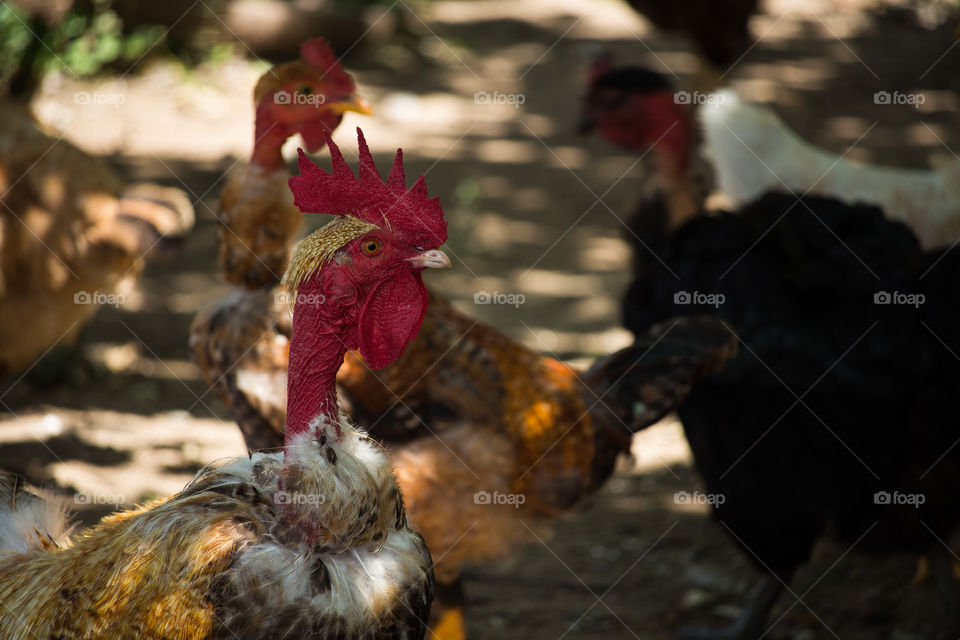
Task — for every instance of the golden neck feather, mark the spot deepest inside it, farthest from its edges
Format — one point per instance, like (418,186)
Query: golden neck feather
(315,250)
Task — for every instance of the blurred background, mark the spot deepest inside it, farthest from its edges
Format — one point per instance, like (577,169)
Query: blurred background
(162,92)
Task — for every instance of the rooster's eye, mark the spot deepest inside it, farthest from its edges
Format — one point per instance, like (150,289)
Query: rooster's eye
(305,89)
(371,247)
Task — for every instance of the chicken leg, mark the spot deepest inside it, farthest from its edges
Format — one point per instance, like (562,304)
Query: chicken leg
(752,622)
(446,616)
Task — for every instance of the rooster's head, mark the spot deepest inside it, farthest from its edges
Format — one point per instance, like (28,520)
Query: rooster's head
(308,96)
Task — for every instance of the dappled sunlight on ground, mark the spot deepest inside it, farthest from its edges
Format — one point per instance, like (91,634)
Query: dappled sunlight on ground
(488,110)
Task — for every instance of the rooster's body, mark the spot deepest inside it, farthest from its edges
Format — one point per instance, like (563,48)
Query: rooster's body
(212,561)
(259,224)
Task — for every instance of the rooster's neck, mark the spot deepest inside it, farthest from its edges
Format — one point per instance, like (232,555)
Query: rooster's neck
(316,353)
(673,175)
(672,156)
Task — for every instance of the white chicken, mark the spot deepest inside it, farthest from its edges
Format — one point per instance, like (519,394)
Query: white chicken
(753,151)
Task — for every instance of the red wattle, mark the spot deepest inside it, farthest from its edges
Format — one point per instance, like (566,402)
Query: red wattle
(314,132)
(268,137)
(391,317)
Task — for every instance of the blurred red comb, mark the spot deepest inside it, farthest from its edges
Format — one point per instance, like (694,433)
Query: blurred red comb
(318,54)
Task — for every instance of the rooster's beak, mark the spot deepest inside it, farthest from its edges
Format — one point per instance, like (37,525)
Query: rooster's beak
(351,103)
(433,259)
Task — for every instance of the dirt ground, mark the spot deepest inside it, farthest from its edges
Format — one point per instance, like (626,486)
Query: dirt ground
(533,209)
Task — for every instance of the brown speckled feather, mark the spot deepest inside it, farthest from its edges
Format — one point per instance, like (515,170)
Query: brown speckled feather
(221,560)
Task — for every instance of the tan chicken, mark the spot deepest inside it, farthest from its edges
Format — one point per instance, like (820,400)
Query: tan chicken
(70,233)
(309,542)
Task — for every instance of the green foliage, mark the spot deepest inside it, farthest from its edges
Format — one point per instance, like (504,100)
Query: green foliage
(222,53)
(90,38)
(84,44)
(14,38)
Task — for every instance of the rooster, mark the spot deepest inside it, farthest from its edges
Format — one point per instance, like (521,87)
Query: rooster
(753,151)
(466,412)
(311,541)
(71,234)
(836,307)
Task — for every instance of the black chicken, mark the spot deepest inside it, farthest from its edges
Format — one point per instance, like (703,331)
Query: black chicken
(837,415)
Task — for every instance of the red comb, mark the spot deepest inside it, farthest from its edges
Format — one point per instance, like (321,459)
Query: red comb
(318,54)
(387,204)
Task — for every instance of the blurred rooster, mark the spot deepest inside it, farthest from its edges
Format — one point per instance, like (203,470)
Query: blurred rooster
(753,151)
(838,413)
(309,542)
(70,235)
(259,222)
(467,412)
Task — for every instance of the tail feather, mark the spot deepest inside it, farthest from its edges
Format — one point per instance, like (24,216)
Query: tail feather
(642,383)
(27,521)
